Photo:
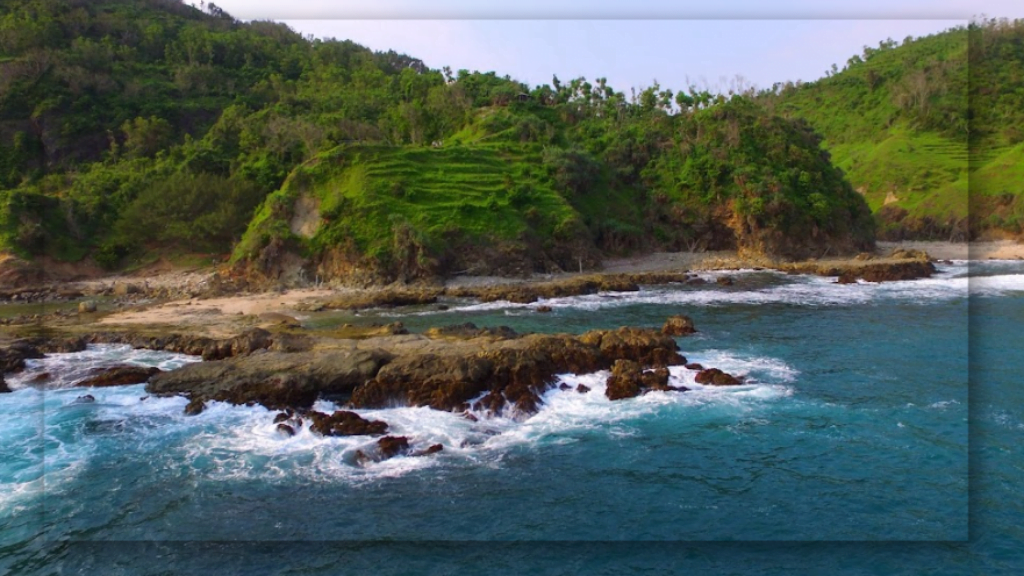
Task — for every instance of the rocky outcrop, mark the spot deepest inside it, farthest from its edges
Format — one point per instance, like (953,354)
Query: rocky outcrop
(14,354)
(469,330)
(624,381)
(273,379)
(4,388)
(509,374)
(678,326)
(118,376)
(209,348)
(629,380)
(345,423)
(715,377)
(384,298)
(528,293)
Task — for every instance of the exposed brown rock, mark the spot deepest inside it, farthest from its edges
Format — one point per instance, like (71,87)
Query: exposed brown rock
(391,446)
(678,326)
(345,423)
(432,449)
(716,377)
(656,379)
(624,381)
(195,406)
(273,379)
(119,376)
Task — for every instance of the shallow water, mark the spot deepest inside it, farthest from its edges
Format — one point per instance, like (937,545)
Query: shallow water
(853,427)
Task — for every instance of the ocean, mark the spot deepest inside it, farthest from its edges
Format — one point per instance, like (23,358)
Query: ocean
(877,432)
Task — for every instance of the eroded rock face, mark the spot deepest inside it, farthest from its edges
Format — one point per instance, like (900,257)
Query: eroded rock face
(346,423)
(273,379)
(119,376)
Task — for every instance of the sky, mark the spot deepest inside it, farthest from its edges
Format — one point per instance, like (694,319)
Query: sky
(719,44)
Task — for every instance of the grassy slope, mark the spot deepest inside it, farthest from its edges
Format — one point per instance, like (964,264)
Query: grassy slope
(485,192)
(916,153)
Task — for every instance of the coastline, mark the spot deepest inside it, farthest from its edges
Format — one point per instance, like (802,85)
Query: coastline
(184,305)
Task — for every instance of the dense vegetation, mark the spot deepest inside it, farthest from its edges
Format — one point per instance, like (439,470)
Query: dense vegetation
(913,123)
(129,129)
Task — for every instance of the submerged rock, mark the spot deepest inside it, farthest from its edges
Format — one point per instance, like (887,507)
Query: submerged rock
(432,449)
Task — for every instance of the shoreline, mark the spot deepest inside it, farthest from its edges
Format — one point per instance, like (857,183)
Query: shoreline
(225,315)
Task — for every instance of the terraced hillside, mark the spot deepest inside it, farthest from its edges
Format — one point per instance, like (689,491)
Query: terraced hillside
(419,212)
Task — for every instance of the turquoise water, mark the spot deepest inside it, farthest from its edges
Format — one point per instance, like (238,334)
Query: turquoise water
(852,433)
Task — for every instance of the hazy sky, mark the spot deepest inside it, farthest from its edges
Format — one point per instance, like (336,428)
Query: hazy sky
(630,43)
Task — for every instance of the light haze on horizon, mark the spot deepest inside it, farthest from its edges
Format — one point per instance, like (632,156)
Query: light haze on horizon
(631,44)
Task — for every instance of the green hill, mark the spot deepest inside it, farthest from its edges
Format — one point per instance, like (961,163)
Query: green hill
(131,129)
(912,124)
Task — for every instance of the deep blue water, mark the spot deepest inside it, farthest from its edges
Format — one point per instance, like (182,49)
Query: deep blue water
(852,433)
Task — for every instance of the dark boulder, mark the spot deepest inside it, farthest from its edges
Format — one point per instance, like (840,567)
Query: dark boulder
(694,366)
(544,309)
(432,449)
(345,423)
(119,376)
(582,389)
(285,429)
(715,377)
(391,446)
(195,407)
(4,388)
(724,281)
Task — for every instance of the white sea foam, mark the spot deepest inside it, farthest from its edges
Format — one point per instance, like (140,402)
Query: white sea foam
(950,282)
(65,370)
(226,442)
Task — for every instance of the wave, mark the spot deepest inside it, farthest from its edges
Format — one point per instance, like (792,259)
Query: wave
(952,281)
(240,443)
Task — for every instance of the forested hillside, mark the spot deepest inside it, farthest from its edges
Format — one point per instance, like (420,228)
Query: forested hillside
(913,123)
(143,128)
